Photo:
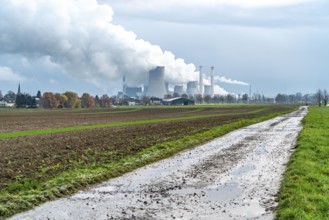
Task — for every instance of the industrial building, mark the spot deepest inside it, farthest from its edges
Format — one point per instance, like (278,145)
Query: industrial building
(157,85)
(178,101)
(179,90)
(134,91)
(192,88)
(207,90)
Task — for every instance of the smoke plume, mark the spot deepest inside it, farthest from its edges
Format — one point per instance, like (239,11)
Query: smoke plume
(223,79)
(79,36)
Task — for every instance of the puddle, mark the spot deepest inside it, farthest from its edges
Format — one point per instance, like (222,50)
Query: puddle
(224,193)
(244,169)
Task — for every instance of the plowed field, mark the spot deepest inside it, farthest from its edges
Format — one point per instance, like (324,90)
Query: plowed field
(42,156)
(20,120)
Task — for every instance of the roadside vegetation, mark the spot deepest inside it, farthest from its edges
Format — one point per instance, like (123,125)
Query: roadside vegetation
(42,167)
(304,193)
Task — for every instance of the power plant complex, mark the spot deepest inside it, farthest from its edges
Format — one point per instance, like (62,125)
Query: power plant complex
(158,87)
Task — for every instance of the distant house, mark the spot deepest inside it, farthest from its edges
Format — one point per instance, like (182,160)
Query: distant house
(5,104)
(155,101)
(131,102)
(178,101)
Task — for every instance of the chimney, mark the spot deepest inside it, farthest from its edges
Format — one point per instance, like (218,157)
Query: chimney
(212,81)
(200,80)
(124,86)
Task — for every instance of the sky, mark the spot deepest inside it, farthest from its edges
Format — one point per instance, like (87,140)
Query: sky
(276,46)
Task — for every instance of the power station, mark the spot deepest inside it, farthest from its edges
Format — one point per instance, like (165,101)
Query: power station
(157,87)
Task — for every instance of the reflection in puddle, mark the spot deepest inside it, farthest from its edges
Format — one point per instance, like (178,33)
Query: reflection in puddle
(224,193)
(244,169)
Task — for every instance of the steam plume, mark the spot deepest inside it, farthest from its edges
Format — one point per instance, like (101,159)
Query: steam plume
(223,79)
(79,37)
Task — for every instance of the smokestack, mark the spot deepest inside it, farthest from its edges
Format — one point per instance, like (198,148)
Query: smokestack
(212,80)
(167,87)
(157,87)
(124,86)
(200,81)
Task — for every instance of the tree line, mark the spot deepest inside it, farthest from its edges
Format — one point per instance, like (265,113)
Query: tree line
(56,100)
(72,100)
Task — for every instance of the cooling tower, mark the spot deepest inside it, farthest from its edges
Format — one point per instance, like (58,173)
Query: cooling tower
(157,87)
(207,90)
(179,90)
(192,88)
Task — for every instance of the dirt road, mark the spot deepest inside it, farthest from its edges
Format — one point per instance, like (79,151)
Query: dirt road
(232,177)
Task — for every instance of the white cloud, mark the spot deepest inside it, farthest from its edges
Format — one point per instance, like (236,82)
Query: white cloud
(52,81)
(7,74)
(260,13)
(79,36)
(165,4)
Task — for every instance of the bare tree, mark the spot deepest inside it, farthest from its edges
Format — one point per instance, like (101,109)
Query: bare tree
(207,98)
(325,97)
(319,96)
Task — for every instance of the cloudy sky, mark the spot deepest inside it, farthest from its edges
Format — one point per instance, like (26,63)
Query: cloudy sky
(88,45)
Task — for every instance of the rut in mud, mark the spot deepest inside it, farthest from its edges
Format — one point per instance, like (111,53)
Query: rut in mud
(232,177)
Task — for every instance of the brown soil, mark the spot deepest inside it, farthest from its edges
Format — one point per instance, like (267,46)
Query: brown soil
(26,157)
(19,120)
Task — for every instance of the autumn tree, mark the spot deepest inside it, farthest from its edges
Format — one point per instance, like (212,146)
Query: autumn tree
(87,101)
(105,101)
(62,99)
(49,100)
(72,100)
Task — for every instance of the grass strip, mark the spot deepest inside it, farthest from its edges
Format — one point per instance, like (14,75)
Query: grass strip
(107,125)
(304,192)
(24,195)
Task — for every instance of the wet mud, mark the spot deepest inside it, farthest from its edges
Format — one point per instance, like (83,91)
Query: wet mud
(235,176)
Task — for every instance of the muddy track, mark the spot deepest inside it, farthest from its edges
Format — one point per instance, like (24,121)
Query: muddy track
(232,177)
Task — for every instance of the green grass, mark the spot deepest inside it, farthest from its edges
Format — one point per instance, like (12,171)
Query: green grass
(107,125)
(304,193)
(27,193)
